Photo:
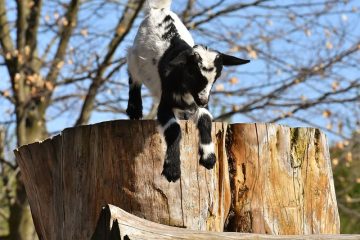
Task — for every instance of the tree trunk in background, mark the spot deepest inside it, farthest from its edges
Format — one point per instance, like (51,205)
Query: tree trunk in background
(279,180)
(30,128)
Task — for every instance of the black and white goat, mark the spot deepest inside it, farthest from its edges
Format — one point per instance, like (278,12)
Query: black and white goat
(179,75)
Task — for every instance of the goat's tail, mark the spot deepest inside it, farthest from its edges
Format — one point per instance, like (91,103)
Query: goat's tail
(158,4)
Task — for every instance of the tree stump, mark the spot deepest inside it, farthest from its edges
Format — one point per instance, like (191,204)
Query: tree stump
(268,179)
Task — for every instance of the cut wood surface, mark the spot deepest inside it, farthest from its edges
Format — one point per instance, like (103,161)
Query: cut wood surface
(115,224)
(268,179)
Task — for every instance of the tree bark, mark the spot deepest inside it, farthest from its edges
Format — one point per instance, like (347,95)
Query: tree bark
(268,179)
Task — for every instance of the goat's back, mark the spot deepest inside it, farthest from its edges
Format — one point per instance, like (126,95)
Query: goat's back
(151,42)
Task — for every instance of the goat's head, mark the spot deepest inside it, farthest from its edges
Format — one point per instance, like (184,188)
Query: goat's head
(202,68)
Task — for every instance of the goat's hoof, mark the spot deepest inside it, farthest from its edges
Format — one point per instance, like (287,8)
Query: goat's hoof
(171,171)
(208,162)
(134,113)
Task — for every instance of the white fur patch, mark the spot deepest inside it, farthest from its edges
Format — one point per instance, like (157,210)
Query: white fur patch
(207,149)
(208,62)
(158,4)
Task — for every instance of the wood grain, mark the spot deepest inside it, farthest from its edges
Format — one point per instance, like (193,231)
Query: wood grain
(279,180)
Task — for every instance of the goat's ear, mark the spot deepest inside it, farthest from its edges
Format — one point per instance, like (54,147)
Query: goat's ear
(180,59)
(229,60)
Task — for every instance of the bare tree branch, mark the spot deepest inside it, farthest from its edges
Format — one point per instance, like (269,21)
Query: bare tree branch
(320,100)
(227,10)
(5,38)
(21,23)
(32,32)
(302,76)
(187,12)
(122,29)
(6,42)
(66,33)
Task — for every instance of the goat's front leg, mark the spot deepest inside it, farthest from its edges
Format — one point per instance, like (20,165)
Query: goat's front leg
(203,119)
(134,109)
(172,133)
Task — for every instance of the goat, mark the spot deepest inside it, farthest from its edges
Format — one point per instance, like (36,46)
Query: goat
(179,75)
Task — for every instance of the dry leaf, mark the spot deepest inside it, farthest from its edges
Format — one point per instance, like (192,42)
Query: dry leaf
(220,87)
(8,56)
(335,161)
(329,45)
(84,32)
(252,54)
(49,85)
(17,77)
(326,113)
(60,64)
(349,157)
(235,108)
(27,50)
(15,53)
(6,93)
(340,145)
(234,80)
(335,85)
(64,21)
(308,32)
(303,98)
(56,15)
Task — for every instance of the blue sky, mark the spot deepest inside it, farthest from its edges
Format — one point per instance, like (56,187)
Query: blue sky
(301,53)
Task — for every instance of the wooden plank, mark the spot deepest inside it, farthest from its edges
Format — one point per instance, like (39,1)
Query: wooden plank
(136,228)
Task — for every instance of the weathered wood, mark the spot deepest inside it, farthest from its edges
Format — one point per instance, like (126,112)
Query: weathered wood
(280,178)
(281,181)
(131,227)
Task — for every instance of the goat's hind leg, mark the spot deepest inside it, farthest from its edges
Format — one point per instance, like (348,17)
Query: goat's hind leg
(134,109)
(203,120)
(172,133)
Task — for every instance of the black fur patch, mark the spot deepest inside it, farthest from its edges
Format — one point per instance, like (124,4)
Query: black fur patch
(170,28)
(173,134)
(134,109)
(219,66)
(171,168)
(204,125)
(209,162)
